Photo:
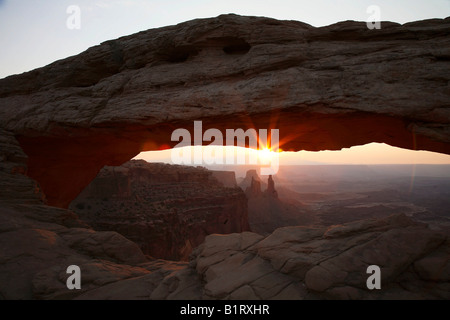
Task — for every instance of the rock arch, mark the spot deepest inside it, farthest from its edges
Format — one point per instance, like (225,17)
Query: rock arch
(324,88)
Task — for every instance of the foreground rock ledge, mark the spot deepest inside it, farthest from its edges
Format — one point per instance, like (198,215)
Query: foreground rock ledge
(291,263)
(324,88)
(38,243)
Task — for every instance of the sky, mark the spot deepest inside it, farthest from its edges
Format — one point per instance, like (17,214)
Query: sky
(372,153)
(34,33)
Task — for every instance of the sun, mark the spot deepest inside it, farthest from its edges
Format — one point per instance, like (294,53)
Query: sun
(265,155)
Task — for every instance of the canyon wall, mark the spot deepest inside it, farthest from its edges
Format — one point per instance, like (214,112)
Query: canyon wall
(166,209)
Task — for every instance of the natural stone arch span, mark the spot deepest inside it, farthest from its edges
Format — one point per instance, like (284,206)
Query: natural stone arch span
(324,88)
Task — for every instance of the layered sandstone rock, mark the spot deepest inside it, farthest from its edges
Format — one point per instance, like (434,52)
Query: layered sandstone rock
(266,212)
(299,262)
(227,178)
(38,243)
(270,191)
(293,263)
(324,88)
(166,209)
(252,177)
(254,190)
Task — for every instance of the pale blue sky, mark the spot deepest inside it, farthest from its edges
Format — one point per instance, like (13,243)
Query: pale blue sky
(34,33)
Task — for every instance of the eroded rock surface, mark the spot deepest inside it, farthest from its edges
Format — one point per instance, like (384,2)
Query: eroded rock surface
(324,88)
(291,263)
(331,263)
(166,209)
(266,212)
(37,241)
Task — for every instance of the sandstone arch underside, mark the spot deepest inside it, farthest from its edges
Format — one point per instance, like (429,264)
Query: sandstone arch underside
(323,88)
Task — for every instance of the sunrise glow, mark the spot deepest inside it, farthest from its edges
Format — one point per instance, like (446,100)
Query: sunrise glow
(372,153)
